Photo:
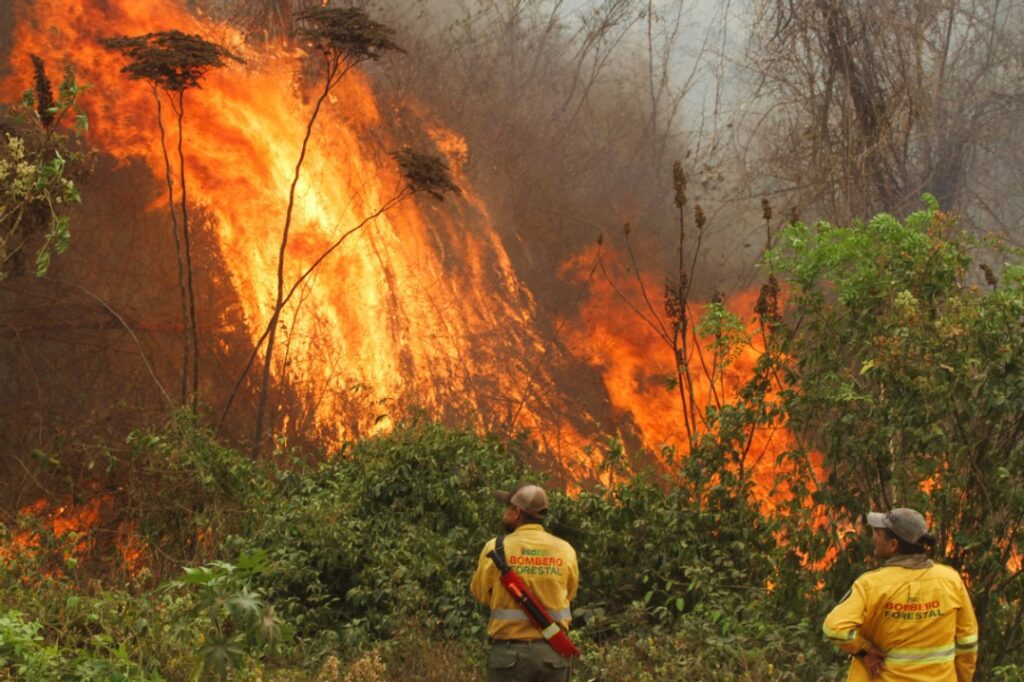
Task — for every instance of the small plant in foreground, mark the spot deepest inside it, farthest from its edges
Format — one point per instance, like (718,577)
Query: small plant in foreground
(233,618)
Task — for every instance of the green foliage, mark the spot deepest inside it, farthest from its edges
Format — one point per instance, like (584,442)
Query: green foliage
(435,659)
(727,332)
(368,557)
(745,644)
(389,529)
(646,544)
(38,157)
(231,618)
(85,637)
(22,651)
(381,542)
(1008,673)
(908,376)
(186,491)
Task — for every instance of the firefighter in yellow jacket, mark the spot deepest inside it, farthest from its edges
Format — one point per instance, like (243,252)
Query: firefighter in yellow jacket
(910,620)
(548,566)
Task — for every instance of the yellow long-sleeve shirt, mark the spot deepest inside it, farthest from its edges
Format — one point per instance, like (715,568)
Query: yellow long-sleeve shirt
(546,564)
(916,611)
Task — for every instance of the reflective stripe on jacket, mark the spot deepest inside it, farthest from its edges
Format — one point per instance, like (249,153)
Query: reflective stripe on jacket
(546,564)
(918,612)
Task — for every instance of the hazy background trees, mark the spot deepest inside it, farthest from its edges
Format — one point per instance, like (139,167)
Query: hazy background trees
(859,107)
(575,111)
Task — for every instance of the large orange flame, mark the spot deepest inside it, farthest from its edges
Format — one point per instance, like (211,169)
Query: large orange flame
(620,336)
(420,308)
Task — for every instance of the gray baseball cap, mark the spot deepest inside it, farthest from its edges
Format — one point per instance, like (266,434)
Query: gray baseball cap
(906,524)
(530,498)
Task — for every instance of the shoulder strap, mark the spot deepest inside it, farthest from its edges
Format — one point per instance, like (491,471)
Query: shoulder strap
(499,547)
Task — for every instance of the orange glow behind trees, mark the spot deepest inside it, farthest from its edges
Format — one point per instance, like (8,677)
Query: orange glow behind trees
(421,309)
(637,368)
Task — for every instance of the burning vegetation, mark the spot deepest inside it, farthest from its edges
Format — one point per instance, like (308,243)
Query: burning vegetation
(328,263)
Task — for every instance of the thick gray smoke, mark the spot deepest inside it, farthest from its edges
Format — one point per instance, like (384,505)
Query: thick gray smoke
(574,114)
(576,111)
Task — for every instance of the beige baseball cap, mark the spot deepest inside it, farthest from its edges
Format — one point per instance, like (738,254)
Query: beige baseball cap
(530,498)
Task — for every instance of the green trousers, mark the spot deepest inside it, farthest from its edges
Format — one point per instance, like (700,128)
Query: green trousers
(528,661)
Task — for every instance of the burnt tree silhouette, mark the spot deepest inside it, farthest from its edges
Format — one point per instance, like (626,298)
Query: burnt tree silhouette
(422,173)
(172,63)
(344,38)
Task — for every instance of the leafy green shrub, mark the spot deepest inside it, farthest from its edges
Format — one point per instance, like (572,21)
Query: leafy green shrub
(389,533)
(88,639)
(904,348)
(744,644)
(435,659)
(22,651)
(647,542)
(1008,673)
(231,619)
(388,529)
(186,491)
(39,158)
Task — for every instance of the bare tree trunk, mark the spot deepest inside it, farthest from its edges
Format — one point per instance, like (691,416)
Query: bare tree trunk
(190,275)
(278,303)
(177,249)
(291,292)
(875,102)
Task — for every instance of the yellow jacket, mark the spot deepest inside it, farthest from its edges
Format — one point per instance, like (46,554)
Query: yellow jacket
(917,612)
(548,567)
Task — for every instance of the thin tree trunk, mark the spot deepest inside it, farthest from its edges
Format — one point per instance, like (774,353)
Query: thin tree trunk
(291,292)
(177,249)
(188,253)
(278,303)
(655,93)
